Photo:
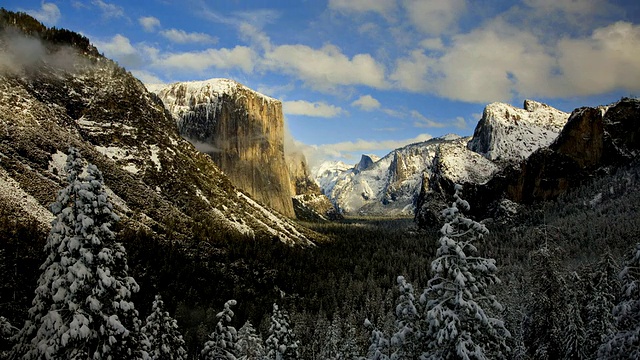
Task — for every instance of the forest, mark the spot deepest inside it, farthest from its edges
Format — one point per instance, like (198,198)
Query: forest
(556,280)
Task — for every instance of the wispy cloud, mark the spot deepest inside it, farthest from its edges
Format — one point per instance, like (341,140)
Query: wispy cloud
(424,122)
(183,37)
(109,10)
(313,109)
(149,23)
(49,13)
(366,103)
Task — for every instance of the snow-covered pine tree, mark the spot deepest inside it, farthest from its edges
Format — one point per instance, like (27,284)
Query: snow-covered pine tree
(163,336)
(7,331)
(605,286)
(250,343)
(406,340)
(625,343)
(573,343)
(457,326)
(330,349)
(82,307)
(281,343)
(349,348)
(378,343)
(545,320)
(223,341)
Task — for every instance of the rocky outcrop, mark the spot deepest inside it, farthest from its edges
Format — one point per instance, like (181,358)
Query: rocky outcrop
(509,135)
(366,161)
(594,140)
(309,203)
(241,129)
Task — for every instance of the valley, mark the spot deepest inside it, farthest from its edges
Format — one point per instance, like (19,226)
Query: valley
(187,191)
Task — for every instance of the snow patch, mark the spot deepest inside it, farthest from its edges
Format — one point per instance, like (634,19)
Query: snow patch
(12,193)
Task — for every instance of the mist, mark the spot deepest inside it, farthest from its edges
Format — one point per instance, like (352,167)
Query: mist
(20,53)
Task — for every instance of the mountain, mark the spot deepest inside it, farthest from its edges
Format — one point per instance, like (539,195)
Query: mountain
(508,134)
(241,129)
(309,202)
(65,94)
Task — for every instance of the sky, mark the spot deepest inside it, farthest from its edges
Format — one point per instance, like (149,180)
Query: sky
(369,76)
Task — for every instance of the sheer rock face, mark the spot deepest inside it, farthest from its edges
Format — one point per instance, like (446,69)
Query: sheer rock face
(508,134)
(241,129)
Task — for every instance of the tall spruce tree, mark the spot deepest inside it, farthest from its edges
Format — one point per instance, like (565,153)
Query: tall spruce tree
(406,340)
(457,326)
(625,343)
(82,307)
(605,286)
(223,341)
(281,343)
(164,338)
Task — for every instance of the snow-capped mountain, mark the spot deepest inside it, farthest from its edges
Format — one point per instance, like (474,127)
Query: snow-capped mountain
(157,180)
(509,134)
(505,135)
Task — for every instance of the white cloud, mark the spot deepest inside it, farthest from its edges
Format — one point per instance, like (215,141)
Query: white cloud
(366,103)
(424,122)
(499,61)
(240,57)
(382,7)
(460,123)
(149,23)
(327,67)
(315,109)
(183,37)
(109,10)
(120,49)
(606,61)
(48,14)
(147,77)
(434,16)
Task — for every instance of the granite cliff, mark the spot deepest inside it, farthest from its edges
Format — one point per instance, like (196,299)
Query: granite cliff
(241,129)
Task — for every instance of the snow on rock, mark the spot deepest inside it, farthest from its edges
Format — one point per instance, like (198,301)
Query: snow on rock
(509,134)
(12,193)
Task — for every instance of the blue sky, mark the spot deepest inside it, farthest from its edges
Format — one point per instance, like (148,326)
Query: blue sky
(367,76)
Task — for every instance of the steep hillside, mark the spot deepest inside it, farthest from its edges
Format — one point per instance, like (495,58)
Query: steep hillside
(309,202)
(70,95)
(507,134)
(241,129)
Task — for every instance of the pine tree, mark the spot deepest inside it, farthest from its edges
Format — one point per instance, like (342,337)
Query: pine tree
(7,331)
(250,343)
(378,343)
(456,323)
(163,336)
(223,341)
(573,343)
(281,343)
(625,343)
(82,307)
(545,320)
(605,286)
(332,340)
(406,340)
(349,348)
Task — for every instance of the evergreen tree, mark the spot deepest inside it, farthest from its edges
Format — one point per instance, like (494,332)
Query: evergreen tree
(378,344)
(250,343)
(223,341)
(574,333)
(406,340)
(7,331)
(349,348)
(625,343)
(605,285)
(82,307)
(545,320)
(163,336)
(456,323)
(332,340)
(281,343)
